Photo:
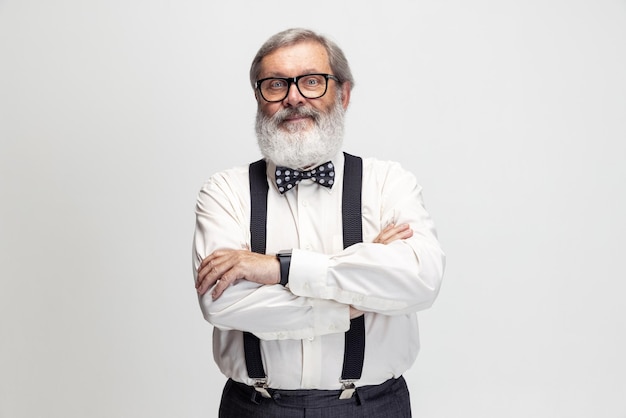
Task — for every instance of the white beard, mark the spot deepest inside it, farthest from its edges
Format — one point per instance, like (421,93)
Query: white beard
(298,148)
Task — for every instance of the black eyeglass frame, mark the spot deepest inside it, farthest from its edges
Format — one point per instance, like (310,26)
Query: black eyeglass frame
(294,80)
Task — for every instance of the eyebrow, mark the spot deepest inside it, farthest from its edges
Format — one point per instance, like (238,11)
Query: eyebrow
(281,75)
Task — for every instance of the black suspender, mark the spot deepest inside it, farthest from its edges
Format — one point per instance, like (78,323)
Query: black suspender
(258,231)
(354,351)
(352,233)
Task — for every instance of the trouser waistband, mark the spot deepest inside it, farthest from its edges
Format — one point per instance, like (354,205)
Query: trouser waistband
(315,398)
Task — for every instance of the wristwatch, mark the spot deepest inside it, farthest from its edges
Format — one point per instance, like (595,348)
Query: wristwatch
(284,258)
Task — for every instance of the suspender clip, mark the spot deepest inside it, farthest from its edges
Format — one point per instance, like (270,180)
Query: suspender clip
(347,389)
(260,385)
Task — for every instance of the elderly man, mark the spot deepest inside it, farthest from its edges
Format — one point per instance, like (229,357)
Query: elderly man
(312,263)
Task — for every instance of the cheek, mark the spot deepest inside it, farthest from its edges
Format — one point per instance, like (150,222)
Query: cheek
(326,103)
(326,106)
(269,109)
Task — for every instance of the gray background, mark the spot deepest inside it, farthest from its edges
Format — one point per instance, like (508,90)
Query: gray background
(512,114)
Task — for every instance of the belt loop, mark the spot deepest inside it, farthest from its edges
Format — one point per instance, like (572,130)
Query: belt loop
(255,397)
(359,399)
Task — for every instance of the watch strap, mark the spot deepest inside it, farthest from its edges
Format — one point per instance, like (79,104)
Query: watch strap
(285,261)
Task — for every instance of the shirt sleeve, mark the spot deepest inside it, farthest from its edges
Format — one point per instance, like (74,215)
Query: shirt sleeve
(401,277)
(268,311)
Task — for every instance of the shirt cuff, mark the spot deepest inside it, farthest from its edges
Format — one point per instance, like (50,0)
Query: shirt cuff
(307,274)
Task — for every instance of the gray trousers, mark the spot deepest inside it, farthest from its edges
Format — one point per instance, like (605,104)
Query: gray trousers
(390,399)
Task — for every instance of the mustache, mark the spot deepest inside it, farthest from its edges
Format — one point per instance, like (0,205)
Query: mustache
(284,114)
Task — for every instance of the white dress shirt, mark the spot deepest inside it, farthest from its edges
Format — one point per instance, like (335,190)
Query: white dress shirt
(302,325)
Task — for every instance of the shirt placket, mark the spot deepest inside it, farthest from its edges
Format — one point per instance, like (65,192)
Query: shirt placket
(311,347)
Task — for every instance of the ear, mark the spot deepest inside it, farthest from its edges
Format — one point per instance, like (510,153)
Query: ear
(345,94)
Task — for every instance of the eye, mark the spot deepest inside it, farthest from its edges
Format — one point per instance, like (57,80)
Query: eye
(311,81)
(276,84)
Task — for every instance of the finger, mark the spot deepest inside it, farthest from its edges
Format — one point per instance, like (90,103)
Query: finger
(404,231)
(383,235)
(222,284)
(206,260)
(218,289)
(220,274)
(397,233)
(204,283)
(203,270)
(408,233)
(208,276)
(391,233)
(212,261)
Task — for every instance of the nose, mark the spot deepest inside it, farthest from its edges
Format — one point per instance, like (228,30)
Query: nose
(294,98)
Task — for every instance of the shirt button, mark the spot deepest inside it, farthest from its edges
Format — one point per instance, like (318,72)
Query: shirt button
(331,327)
(305,203)
(311,338)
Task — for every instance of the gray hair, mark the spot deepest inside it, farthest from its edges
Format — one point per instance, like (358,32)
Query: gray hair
(337,60)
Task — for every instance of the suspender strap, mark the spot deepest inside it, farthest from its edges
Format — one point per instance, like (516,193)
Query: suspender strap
(354,351)
(351,201)
(258,203)
(258,231)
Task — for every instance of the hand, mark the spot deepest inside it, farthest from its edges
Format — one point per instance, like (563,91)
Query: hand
(225,266)
(392,233)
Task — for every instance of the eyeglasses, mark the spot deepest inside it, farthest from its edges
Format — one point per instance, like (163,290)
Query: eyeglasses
(310,86)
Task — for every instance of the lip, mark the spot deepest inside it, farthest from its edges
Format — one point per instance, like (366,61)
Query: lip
(296,118)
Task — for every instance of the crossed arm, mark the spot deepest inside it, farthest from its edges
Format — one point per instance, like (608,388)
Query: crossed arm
(396,271)
(222,267)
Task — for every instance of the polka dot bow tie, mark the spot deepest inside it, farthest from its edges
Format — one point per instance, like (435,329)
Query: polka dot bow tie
(287,178)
